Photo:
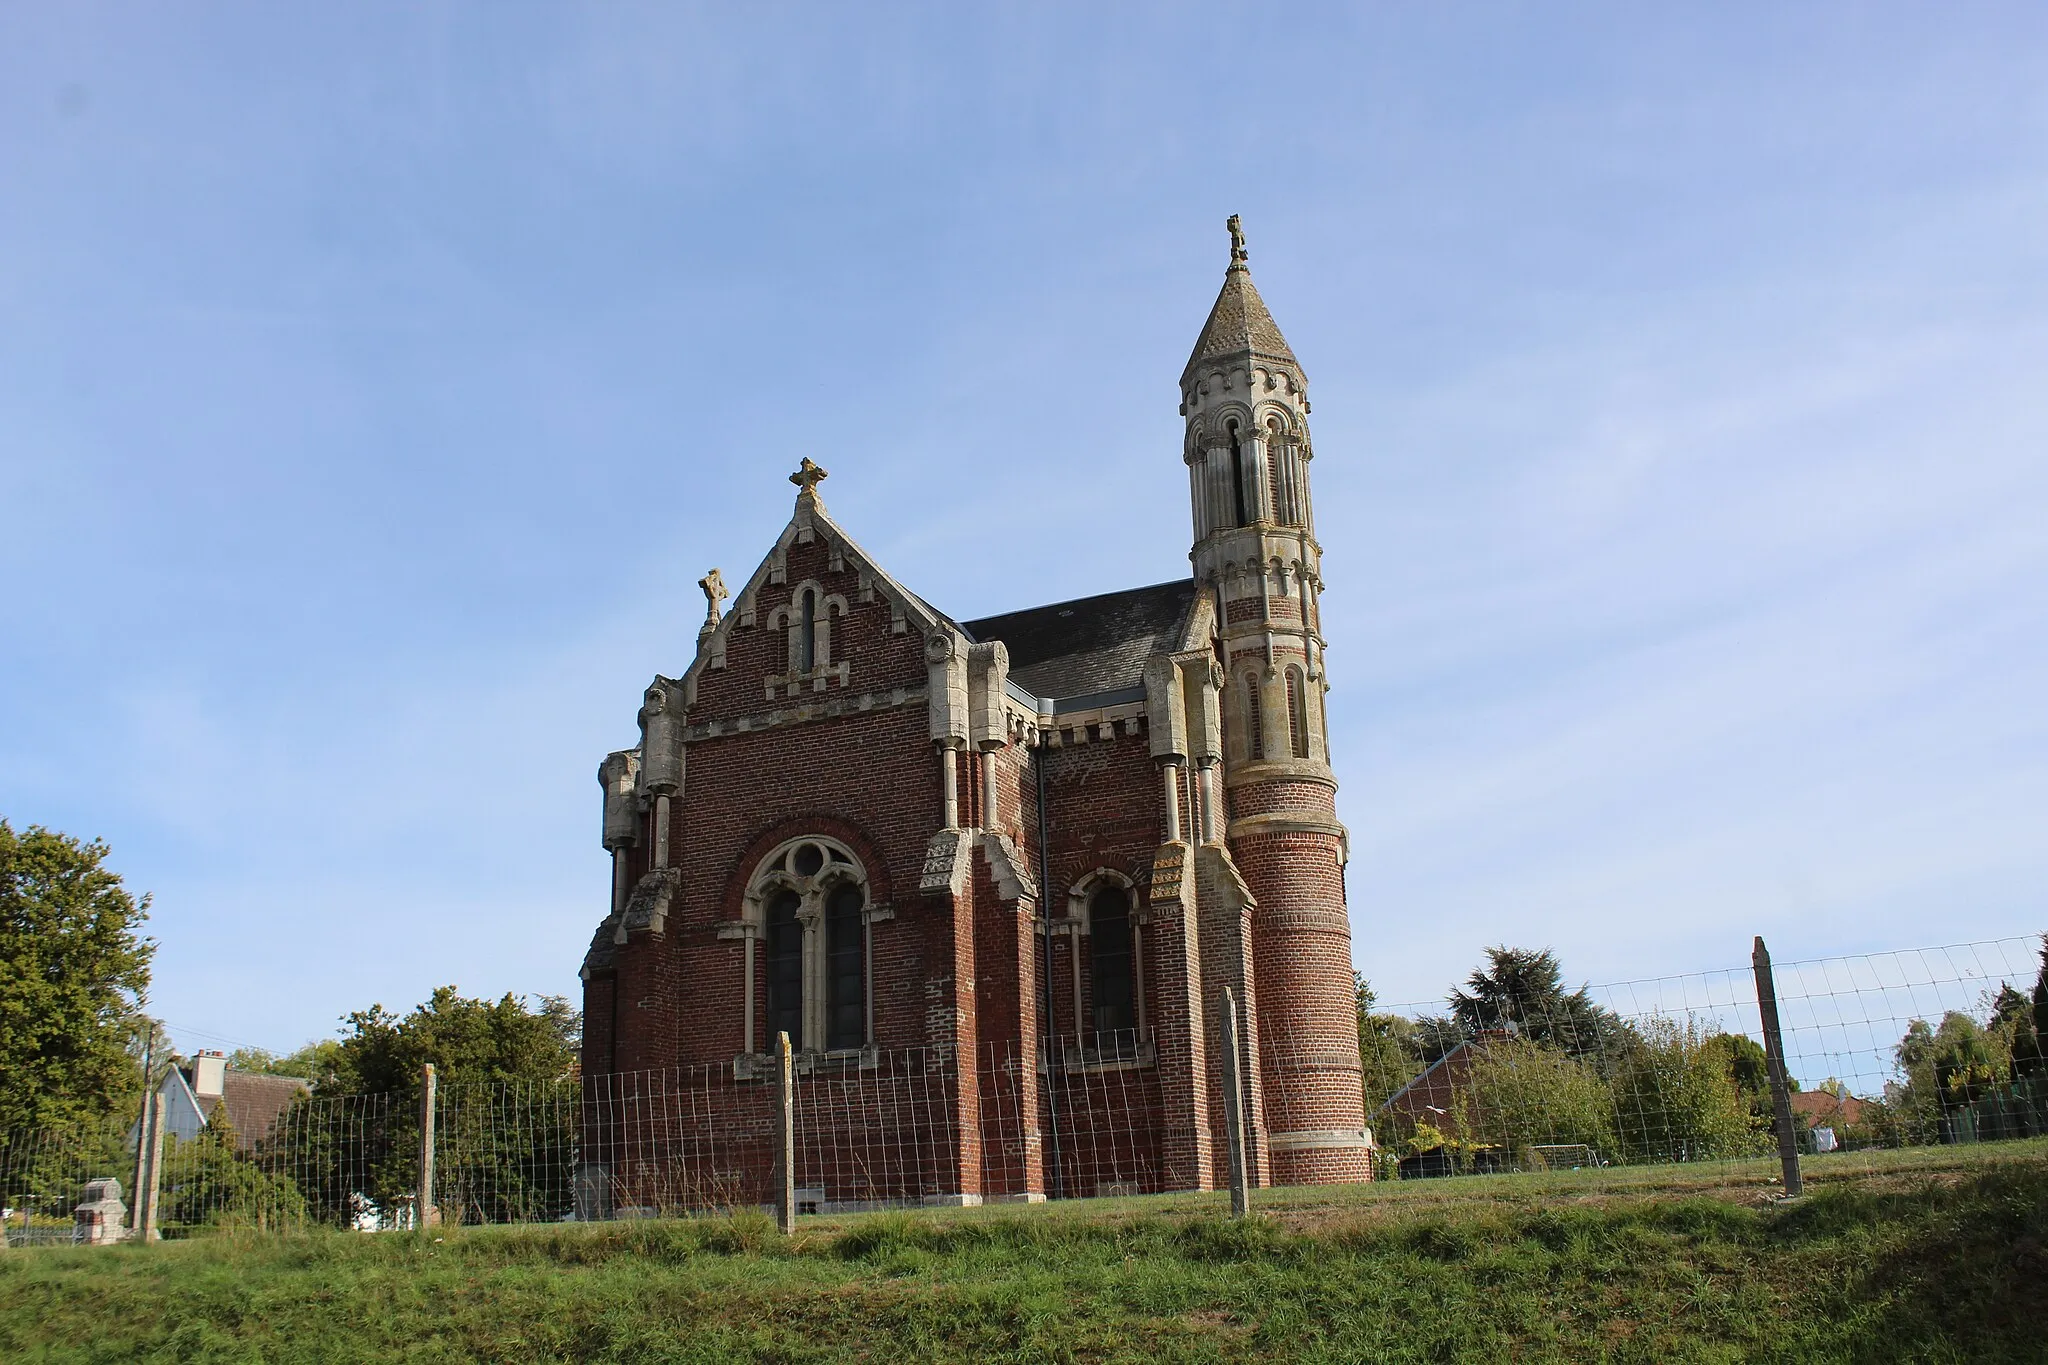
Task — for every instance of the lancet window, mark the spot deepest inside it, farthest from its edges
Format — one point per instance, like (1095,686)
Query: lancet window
(1297,715)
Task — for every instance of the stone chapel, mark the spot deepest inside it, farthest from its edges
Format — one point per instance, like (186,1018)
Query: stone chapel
(1067,829)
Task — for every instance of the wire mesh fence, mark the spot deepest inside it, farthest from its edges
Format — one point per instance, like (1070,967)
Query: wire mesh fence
(1514,1073)
(1892,1049)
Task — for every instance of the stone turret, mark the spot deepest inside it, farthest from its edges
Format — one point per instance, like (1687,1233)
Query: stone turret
(1245,401)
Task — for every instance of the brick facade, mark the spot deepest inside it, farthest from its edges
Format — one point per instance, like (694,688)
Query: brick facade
(993,877)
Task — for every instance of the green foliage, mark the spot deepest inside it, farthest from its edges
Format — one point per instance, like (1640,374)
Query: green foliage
(1523,990)
(315,1062)
(1675,1100)
(2027,1025)
(73,973)
(209,1185)
(1526,1094)
(1387,1049)
(466,1040)
(45,1170)
(1741,1059)
(1947,1071)
(1964,1067)
(507,1114)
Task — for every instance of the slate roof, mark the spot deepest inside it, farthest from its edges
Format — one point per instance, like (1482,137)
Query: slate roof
(1239,323)
(254,1101)
(1091,644)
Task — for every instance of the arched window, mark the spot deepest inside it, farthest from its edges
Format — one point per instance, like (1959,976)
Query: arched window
(1279,489)
(1254,726)
(807,654)
(1297,715)
(1109,962)
(807,903)
(1238,475)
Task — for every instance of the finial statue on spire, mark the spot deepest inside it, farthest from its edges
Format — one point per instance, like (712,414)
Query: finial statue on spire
(807,475)
(1238,254)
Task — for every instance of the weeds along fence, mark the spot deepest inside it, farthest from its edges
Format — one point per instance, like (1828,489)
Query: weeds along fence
(1918,1047)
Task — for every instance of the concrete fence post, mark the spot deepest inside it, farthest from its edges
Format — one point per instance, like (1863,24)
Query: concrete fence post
(785,1136)
(427,1215)
(1233,1110)
(146,1197)
(1774,1063)
(145,1124)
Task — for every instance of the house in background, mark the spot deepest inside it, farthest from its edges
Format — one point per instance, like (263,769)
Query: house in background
(1825,1115)
(1432,1097)
(201,1092)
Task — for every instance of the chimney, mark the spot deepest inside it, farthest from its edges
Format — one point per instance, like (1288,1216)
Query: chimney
(209,1074)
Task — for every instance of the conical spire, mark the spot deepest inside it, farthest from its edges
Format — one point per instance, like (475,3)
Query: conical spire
(1239,323)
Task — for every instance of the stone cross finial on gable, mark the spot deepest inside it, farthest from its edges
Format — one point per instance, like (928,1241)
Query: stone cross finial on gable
(807,475)
(1237,251)
(713,584)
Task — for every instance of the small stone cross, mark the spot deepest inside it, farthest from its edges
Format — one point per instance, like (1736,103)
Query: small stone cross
(713,584)
(807,475)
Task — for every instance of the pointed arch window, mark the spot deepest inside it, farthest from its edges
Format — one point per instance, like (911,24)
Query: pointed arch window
(808,906)
(1297,714)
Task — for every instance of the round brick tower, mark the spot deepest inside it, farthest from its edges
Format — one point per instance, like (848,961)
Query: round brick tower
(1245,400)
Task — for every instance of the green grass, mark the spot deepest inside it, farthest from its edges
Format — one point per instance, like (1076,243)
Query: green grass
(1928,1256)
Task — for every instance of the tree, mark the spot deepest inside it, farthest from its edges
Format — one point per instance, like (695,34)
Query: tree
(1436,1036)
(508,1108)
(1523,990)
(1944,1069)
(1741,1059)
(1387,1053)
(208,1182)
(466,1040)
(1964,1066)
(73,974)
(2030,1029)
(314,1062)
(1526,1094)
(1675,1099)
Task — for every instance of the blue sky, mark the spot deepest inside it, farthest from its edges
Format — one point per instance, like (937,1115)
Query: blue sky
(376,380)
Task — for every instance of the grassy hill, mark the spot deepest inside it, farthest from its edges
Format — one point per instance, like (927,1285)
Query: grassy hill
(1935,1255)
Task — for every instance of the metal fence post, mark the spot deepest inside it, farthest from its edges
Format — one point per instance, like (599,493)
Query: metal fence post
(427,1215)
(1233,1110)
(785,1136)
(1774,1062)
(146,1197)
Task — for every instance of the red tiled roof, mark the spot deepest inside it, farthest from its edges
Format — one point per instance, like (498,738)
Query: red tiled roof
(1823,1109)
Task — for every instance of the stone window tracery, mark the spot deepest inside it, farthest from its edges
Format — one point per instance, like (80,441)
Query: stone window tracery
(808,905)
(807,621)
